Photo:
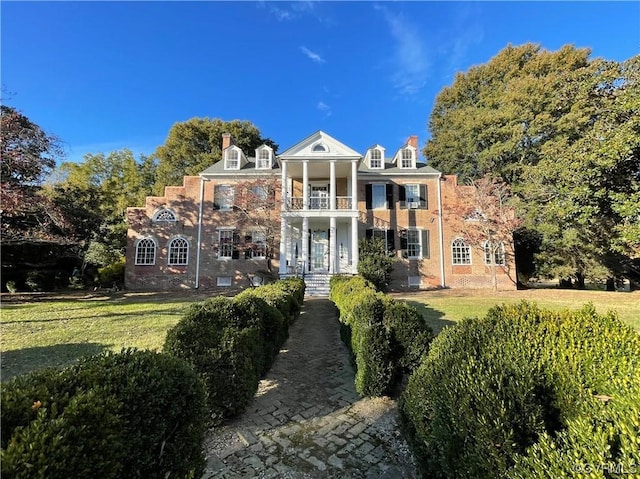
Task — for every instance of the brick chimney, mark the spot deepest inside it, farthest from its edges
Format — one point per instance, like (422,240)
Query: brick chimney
(413,141)
(226,141)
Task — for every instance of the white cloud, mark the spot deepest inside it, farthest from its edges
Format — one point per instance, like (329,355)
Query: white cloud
(287,11)
(312,55)
(323,107)
(410,60)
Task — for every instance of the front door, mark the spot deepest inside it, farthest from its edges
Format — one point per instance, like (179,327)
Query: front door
(319,250)
(319,197)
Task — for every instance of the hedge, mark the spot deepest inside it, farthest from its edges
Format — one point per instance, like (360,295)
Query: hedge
(524,393)
(387,338)
(136,414)
(231,343)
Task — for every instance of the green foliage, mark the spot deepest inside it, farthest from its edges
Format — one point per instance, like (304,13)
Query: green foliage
(232,342)
(497,391)
(375,264)
(112,273)
(133,414)
(194,145)
(387,338)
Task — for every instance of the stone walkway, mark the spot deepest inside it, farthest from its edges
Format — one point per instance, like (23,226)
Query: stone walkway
(307,421)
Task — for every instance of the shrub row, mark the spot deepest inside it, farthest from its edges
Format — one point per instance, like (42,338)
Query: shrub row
(231,343)
(387,338)
(136,414)
(528,393)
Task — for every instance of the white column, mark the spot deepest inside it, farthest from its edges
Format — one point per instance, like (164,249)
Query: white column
(283,246)
(354,245)
(284,194)
(305,244)
(332,185)
(305,185)
(354,186)
(333,233)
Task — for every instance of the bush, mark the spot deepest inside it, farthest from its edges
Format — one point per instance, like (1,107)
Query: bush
(497,391)
(112,274)
(133,414)
(375,263)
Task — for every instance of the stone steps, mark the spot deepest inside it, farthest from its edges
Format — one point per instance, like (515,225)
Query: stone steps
(317,285)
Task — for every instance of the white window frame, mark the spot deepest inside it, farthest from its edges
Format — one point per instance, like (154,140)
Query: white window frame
(225,196)
(225,234)
(263,162)
(414,281)
(498,256)
(379,186)
(164,215)
(259,193)
(412,193)
(407,158)
(148,254)
(414,248)
(178,255)
(224,281)
(320,148)
(460,252)
(232,159)
(376,162)
(259,239)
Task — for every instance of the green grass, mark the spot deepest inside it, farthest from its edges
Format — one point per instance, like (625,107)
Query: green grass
(56,330)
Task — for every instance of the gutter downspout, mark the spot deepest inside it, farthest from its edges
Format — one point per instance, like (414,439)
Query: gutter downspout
(441,235)
(197,282)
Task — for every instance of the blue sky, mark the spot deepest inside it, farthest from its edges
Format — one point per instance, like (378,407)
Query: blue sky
(109,75)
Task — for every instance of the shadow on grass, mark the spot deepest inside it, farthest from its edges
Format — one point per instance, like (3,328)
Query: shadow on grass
(21,361)
(433,317)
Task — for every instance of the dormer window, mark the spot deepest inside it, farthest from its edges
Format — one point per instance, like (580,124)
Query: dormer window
(320,148)
(375,160)
(263,159)
(232,161)
(407,159)
(164,215)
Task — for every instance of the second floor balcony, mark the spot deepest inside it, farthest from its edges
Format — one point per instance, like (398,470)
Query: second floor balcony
(318,203)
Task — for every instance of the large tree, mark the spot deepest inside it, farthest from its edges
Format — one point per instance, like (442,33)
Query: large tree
(194,145)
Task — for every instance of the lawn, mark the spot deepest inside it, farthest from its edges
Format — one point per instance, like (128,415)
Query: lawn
(55,330)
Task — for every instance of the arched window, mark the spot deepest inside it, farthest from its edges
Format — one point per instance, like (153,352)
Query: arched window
(319,147)
(233,160)
(460,252)
(146,252)
(178,251)
(263,161)
(494,255)
(376,159)
(407,158)
(164,215)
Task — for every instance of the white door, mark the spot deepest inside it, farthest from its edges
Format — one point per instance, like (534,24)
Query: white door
(319,197)
(319,250)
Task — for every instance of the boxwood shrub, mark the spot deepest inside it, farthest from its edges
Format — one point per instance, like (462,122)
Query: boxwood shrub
(134,414)
(519,394)
(387,338)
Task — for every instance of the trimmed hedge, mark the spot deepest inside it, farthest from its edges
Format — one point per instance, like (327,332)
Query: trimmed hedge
(231,343)
(136,414)
(523,393)
(387,338)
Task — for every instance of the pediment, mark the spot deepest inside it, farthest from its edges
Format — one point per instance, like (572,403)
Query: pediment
(320,145)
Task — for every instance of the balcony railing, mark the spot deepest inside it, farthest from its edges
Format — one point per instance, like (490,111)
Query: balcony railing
(322,203)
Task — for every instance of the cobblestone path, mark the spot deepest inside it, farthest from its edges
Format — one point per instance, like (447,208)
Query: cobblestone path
(307,421)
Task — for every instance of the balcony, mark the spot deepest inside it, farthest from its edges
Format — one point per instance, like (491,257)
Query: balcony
(319,203)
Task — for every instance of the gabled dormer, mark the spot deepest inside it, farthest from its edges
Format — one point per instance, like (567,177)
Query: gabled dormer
(374,158)
(264,157)
(406,157)
(234,158)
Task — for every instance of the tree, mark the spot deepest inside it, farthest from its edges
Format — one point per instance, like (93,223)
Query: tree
(375,264)
(194,145)
(484,216)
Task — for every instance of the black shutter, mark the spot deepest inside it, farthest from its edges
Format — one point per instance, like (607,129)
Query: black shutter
(216,199)
(423,197)
(403,240)
(236,241)
(425,244)
(369,233)
(391,240)
(368,195)
(402,196)
(390,204)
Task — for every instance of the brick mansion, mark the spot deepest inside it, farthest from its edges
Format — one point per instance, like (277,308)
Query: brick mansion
(303,212)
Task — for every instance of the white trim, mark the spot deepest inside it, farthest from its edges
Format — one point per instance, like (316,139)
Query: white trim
(169,246)
(155,251)
(224,281)
(197,280)
(443,283)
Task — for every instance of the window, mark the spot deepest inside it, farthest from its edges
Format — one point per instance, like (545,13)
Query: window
(407,159)
(233,160)
(319,148)
(413,244)
(496,253)
(164,215)
(227,241)
(375,162)
(258,194)
(224,281)
(460,252)
(263,161)
(388,236)
(412,193)
(146,252)
(378,196)
(178,251)
(415,281)
(223,198)
(256,241)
